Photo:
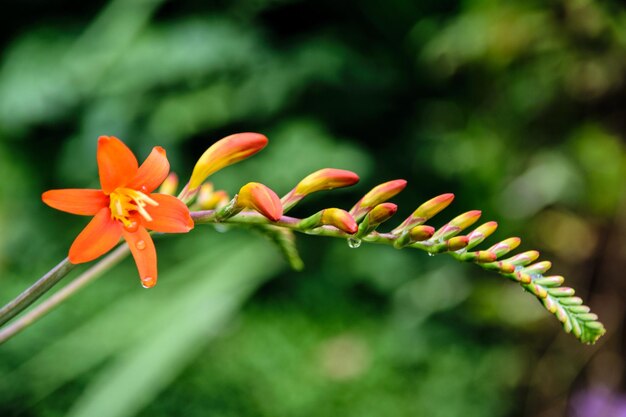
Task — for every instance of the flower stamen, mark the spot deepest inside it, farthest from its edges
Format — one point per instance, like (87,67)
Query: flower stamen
(124,202)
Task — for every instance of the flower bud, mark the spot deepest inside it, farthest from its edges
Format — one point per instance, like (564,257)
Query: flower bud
(457,224)
(339,218)
(425,212)
(381,213)
(421,233)
(375,196)
(169,185)
(481,233)
(259,197)
(224,152)
(456,243)
(208,199)
(324,179)
(538,268)
(524,258)
(505,246)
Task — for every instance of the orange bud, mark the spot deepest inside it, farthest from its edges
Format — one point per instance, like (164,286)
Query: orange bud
(326,179)
(259,197)
(481,233)
(377,195)
(224,152)
(381,213)
(339,218)
(421,233)
(505,246)
(170,184)
(425,212)
(457,243)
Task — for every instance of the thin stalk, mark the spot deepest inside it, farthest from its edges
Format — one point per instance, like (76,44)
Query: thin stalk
(63,294)
(32,293)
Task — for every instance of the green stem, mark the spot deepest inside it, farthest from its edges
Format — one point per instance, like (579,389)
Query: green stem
(63,294)
(32,293)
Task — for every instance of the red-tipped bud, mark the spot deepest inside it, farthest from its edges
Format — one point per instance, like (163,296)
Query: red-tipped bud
(425,212)
(170,185)
(457,224)
(377,195)
(505,246)
(381,213)
(339,218)
(421,233)
(466,219)
(456,243)
(524,258)
(484,256)
(259,197)
(481,233)
(224,152)
(326,179)
(433,206)
(538,268)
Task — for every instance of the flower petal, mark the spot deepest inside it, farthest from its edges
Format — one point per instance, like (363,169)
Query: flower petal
(100,236)
(76,201)
(142,248)
(170,216)
(152,172)
(116,163)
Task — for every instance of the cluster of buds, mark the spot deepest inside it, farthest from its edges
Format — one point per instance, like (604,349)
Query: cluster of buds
(259,205)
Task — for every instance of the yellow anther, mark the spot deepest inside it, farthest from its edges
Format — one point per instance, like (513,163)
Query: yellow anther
(125,201)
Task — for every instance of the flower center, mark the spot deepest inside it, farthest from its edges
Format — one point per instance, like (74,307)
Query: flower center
(125,202)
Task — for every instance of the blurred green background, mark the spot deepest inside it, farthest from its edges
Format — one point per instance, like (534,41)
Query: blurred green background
(517,107)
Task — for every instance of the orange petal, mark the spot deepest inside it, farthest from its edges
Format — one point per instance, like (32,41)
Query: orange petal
(99,237)
(262,199)
(142,248)
(76,201)
(152,172)
(116,163)
(224,152)
(170,216)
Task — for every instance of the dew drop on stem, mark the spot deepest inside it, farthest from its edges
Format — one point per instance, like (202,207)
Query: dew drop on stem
(354,243)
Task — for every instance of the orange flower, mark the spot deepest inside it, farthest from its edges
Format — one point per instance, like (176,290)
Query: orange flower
(124,207)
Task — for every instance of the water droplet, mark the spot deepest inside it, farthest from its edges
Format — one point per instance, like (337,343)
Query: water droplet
(431,254)
(144,189)
(222,228)
(148,282)
(354,243)
(132,226)
(141,245)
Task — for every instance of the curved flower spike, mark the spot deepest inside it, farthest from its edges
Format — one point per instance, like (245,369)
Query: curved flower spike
(324,179)
(224,152)
(259,197)
(125,207)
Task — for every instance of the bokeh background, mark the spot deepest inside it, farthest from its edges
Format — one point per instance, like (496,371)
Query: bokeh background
(518,107)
